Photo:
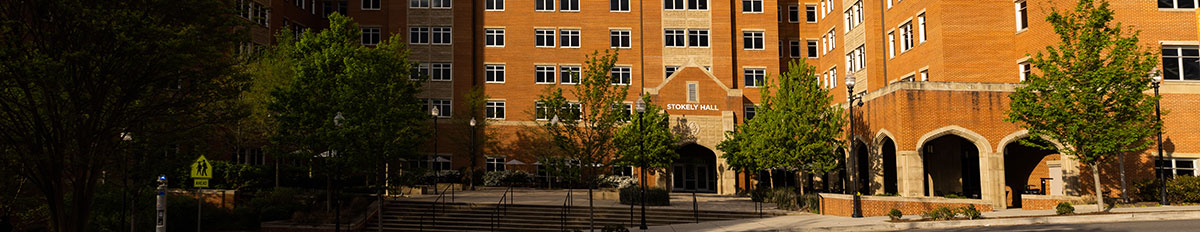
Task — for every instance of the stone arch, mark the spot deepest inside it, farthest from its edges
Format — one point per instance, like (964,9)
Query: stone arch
(961,156)
(981,142)
(886,174)
(695,170)
(1021,134)
(1030,170)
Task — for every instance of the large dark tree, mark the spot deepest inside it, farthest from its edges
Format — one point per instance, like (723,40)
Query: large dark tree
(77,74)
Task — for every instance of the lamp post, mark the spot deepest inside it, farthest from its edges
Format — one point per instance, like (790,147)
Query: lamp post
(641,108)
(850,98)
(437,174)
(473,151)
(337,213)
(1162,174)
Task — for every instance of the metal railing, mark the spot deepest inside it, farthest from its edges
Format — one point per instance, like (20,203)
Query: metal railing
(502,207)
(695,207)
(442,200)
(567,203)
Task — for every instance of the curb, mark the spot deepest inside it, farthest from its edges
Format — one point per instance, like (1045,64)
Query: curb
(1116,217)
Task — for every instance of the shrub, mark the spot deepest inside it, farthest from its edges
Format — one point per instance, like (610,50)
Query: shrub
(940,213)
(784,198)
(1064,208)
(619,182)
(614,228)
(970,212)
(759,194)
(1184,189)
(654,196)
(895,214)
(499,178)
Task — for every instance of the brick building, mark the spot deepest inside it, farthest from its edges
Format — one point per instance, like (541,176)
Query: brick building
(934,75)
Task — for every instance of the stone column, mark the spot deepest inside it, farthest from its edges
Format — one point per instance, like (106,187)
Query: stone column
(991,179)
(910,173)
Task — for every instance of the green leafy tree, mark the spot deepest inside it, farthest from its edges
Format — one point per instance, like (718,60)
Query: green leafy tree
(646,141)
(1089,94)
(797,127)
(350,107)
(79,74)
(473,139)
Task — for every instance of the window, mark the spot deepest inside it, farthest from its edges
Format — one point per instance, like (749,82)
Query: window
(750,111)
(1177,4)
(1179,63)
(812,49)
(752,40)
(906,36)
(440,72)
(540,112)
(693,94)
(249,156)
(543,74)
(889,3)
(441,35)
(567,5)
(418,35)
(575,109)
(854,16)
(570,74)
(752,6)
(441,4)
(794,48)
(543,5)
(1175,167)
(493,73)
(793,14)
(921,27)
(570,38)
(493,37)
(494,109)
(300,3)
(698,38)
(366,4)
(1023,67)
(672,4)
(925,75)
(443,106)
(622,75)
(674,38)
(493,5)
(440,162)
(1022,17)
(422,71)
(619,38)
(370,35)
(891,44)
(262,15)
(855,60)
(618,170)
(495,164)
(832,43)
(418,3)
(755,77)
(668,70)
(543,38)
(697,4)
(810,13)
(618,5)
(833,78)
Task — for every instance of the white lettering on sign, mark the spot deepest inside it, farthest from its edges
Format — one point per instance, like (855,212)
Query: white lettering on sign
(692,107)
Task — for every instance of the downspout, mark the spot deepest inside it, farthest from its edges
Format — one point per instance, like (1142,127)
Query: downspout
(883,37)
(642,47)
(733,37)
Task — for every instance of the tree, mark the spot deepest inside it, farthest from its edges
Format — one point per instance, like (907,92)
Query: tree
(1089,94)
(586,125)
(796,128)
(349,106)
(646,142)
(475,138)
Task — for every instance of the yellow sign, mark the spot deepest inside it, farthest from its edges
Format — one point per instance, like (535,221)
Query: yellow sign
(202,169)
(200,183)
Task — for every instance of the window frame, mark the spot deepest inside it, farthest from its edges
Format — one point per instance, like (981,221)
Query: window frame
(1021,9)
(563,7)
(495,164)
(674,38)
(497,75)
(434,35)
(794,50)
(749,111)
(756,6)
(793,15)
(549,6)
(418,35)
(495,7)
(813,48)
(669,70)
(1175,5)
(376,35)
(623,38)
(757,40)
(620,3)
(754,77)
(575,36)
(497,35)
(545,74)
(446,112)
(1024,68)
(675,5)
(700,5)
(702,38)
(1174,167)
(546,40)
(565,72)
(921,28)
(621,75)
(377,4)
(441,67)
(1180,61)
(810,13)
(495,109)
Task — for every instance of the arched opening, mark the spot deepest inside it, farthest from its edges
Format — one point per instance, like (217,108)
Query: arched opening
(1029,170)
(695,170)
(888,152)
(862,168)
(951,167)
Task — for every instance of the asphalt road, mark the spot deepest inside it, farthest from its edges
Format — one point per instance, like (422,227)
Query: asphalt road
(1154,226)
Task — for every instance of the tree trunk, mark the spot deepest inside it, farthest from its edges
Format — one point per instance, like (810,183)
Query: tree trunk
(1096,182)
(1124,192)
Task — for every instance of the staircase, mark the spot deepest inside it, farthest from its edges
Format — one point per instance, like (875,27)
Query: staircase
(418,216)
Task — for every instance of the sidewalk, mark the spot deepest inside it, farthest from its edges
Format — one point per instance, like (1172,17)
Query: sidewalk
(813,222)
(556,197)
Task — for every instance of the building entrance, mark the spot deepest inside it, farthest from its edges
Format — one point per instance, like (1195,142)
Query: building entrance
(695,170)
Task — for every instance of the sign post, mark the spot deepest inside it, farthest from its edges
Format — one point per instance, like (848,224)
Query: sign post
(201,172)
(160,199)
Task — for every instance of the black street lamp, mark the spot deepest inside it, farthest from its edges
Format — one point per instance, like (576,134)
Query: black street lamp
(473,152)
(641,108)
(850,98)
(437,174)
(1162,174)
(337,215)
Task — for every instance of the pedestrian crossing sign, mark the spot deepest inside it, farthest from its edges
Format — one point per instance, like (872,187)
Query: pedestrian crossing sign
(201,169)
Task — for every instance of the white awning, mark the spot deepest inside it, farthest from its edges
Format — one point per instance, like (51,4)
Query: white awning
(515,162)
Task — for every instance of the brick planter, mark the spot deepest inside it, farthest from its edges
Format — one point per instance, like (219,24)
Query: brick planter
(1039,202)
(843,204)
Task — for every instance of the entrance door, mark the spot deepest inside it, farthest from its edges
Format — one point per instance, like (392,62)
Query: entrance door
(692,177)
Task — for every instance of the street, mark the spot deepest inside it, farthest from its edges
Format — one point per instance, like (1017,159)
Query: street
(1157,226)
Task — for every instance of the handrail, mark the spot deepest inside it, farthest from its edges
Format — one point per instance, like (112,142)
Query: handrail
(442,198)
(505,200)
(567,203)
(695,207)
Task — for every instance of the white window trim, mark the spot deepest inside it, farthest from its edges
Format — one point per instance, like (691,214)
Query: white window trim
(364,7)
(574,80)
(761,3)
(504,77)
(798,14)
(921,27)
(503,34)
(578,34)
(450,31)
(630,6)
(553,74)
(503,5)
(756,84)
(816,15)
(501,101)
(1019,15)
(626,30)
(763,38)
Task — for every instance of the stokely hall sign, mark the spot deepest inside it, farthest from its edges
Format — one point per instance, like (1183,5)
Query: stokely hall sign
(692,107)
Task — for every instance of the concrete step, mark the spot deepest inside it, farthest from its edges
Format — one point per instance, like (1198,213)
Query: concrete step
(454,216)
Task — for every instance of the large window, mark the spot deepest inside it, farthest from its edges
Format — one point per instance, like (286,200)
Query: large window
(1175,167)
(673,4)
(1177,4)
(494,5)
(543,38)
(755,77)
(1179,63)
(366,4)
(906,36)
(543,5)
(674,38)
(697,4)
(810,13)
(750,110)
(698,38)
(495,164)
(570,74)
(494,37)
(793,14)
(619,38)
(1022,16)
(752,6)
(921,27)
(568,5)
(622,75)
(794,48)
(370,35)
(570,38)
(752,40)
(493,73)
(618,5)
(440,72)
(441,35)
(418,35)
(494,110)
(543,74)
(812,49)
(854,16)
